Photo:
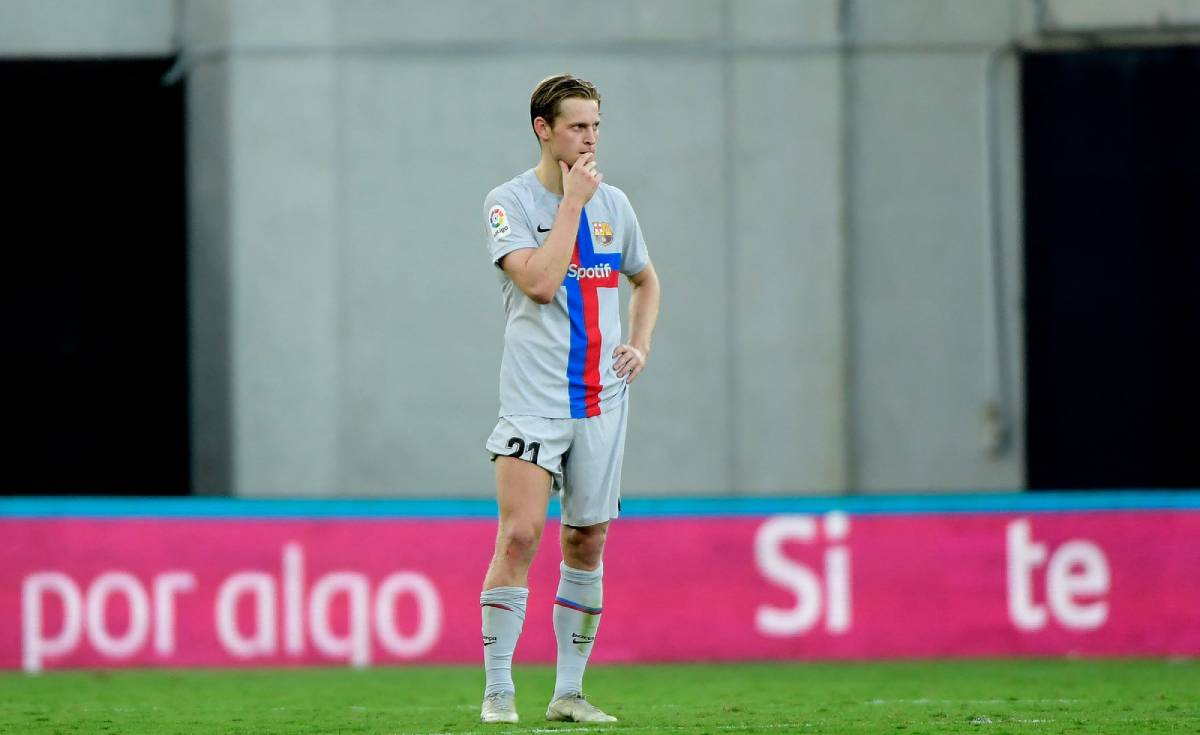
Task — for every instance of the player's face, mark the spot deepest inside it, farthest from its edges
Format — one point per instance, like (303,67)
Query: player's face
(576,129)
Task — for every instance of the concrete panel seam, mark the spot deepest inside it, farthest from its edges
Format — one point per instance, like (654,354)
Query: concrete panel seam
(207,53)
(729,164)
(849,470)
(996,413)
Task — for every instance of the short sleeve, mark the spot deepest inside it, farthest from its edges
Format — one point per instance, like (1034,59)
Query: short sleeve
(505,225)
(634,256)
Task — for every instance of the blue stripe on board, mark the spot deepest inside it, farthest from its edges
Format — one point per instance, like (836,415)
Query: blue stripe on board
(207,507)
(923,504)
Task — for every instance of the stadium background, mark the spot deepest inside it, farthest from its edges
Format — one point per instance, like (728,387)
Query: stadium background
(920,247)
(832,192)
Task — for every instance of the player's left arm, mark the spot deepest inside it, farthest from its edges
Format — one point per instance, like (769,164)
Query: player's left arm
(630,358)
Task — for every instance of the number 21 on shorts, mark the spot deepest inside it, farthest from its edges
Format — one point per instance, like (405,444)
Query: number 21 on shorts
(519,443)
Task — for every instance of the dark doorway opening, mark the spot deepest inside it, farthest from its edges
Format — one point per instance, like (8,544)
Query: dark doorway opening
(1112,268)
(94,287)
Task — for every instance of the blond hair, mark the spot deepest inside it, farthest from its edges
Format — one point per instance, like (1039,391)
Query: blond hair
(551,91)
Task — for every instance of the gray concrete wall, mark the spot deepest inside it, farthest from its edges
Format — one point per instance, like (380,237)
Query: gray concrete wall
(924,362)
(840,257)
(267,256)
(1109,14)
(364,327)
(72,28)
(785,251)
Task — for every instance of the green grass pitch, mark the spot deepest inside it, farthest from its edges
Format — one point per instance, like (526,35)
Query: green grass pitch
(1023,696)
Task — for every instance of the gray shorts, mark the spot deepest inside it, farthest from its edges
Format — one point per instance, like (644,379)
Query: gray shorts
(583,456)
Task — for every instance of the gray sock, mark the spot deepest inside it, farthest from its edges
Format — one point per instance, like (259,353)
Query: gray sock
(503,610)
(576,620)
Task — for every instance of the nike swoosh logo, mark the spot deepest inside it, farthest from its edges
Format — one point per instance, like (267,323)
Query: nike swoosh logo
(541,230)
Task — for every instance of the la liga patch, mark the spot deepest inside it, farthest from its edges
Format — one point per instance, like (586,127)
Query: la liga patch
(498,219)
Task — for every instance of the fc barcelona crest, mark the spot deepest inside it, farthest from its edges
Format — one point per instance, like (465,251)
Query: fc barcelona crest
(602,233)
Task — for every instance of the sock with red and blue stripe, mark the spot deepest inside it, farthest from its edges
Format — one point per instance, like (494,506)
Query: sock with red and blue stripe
(577,608)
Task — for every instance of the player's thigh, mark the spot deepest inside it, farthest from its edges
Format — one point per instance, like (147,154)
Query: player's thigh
(528,452)
(592,474)
(522,493)
(539,441)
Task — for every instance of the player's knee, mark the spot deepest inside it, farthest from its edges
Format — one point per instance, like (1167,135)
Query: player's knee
(520,540)
(585,546)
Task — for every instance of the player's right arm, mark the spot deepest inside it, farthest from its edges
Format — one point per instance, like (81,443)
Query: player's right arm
(539,272)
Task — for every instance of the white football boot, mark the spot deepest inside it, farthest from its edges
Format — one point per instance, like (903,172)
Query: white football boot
(498,707)
(574,708)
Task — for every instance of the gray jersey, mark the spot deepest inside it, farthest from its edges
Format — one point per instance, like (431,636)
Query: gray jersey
(558,357)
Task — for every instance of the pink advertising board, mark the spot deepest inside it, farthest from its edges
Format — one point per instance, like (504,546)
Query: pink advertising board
(107,590)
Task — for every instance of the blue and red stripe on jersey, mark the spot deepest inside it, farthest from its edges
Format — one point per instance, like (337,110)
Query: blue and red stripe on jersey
(583,308)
